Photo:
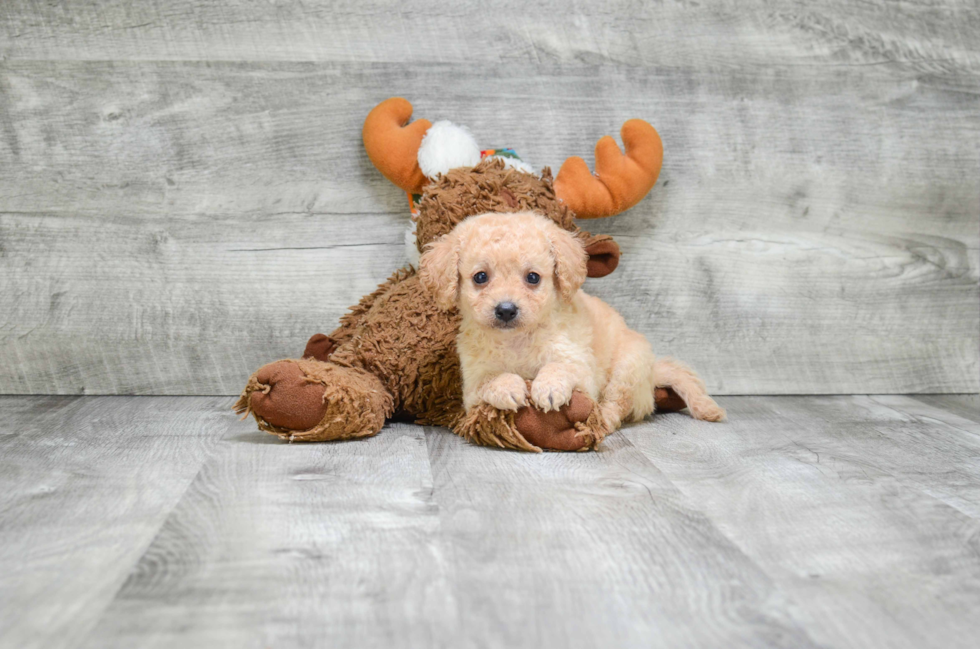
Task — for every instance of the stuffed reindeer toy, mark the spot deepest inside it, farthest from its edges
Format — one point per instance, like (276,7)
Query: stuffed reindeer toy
(394,354)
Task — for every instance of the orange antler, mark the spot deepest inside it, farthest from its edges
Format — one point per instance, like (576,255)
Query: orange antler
(393,144)
(620,181)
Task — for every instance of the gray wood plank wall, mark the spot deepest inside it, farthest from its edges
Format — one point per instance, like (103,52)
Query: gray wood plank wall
(184,195)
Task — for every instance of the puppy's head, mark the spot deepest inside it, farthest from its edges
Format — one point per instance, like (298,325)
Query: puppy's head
(504,271)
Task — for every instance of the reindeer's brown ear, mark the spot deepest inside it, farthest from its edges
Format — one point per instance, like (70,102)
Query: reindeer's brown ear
(570,260)
(439,270)
(603,256)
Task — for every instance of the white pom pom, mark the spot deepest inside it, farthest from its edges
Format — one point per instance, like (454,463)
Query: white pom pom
(447,146)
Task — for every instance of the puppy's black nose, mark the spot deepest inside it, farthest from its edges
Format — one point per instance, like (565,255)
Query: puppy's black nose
(506,311)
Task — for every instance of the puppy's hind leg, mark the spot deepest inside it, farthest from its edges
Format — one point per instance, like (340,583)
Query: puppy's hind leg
(628,393)
(669,373)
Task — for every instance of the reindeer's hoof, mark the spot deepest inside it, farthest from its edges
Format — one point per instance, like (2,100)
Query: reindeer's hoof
(556,430)
(289,401)
(667,400)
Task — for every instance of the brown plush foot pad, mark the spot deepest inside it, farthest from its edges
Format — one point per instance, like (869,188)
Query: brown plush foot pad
(290,401)
(667,400)
(556,430)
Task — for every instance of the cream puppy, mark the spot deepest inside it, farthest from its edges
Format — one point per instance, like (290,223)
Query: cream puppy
(516,279)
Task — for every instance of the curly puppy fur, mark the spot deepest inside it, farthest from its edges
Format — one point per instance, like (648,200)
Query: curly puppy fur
(560,338)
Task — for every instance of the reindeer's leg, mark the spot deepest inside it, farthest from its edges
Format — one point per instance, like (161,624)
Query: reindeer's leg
(312,401)
(575,426)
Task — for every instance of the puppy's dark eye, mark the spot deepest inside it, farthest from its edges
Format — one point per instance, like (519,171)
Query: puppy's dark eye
(480,278)
(533,278)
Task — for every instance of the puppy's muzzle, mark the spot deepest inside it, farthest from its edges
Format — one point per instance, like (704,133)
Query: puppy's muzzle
(505,311)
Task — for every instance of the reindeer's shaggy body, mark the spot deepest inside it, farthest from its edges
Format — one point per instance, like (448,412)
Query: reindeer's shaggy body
(394,354)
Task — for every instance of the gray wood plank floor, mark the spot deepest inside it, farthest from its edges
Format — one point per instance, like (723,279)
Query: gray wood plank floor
(805,521)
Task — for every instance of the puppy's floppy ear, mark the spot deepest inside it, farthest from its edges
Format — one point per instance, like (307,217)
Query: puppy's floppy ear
(570,261)
(439,270)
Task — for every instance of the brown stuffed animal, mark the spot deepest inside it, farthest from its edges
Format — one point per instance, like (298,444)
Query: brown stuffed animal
(394,354)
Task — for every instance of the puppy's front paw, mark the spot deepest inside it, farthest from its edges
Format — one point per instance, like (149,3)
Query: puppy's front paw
(550,392)
(506,392)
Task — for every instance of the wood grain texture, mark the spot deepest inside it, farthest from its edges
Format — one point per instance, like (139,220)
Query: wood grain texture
(277,545)
(85,485)
(962,405)
(932,34)
(844,502)
(594,550)
(184,193)
(804,521)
